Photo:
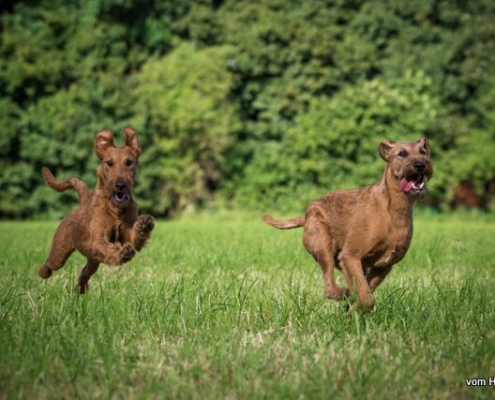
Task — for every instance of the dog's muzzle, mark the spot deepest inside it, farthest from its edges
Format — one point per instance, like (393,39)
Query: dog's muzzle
(414,183)
(120,198)
(122,195)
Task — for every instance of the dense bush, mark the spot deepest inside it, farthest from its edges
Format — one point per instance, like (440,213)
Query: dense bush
(255,104)
(184,101)
(334,144)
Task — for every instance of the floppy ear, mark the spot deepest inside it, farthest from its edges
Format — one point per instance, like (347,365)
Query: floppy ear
(104,140)
(384,149)
(131,139)
(426,146)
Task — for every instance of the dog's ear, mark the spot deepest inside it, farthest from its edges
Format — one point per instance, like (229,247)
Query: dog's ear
(426,146)
(131,139)
(384,149)
(104,140)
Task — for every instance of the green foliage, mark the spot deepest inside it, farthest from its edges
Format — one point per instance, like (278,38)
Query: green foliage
(244,103)
(61,80)
(184,99)
(334,144)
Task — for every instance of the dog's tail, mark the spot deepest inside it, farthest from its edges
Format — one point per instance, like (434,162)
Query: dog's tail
(292,223)
(71,183)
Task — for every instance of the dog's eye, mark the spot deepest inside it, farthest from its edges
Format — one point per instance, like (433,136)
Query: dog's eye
(422,152)
(128,163)
(402,153)
(109,163)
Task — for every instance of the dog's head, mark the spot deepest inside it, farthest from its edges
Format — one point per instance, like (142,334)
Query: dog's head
(410,164)
(118,165)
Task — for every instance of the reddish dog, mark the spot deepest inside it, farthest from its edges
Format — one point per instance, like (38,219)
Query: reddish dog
(106,227)
(365,231)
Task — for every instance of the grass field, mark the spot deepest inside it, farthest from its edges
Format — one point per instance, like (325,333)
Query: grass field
(223,307)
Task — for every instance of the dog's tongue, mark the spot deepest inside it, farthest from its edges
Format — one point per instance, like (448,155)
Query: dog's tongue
(406,185)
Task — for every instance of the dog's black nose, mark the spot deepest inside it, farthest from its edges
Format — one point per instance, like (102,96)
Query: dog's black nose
(120,185)
(419,166)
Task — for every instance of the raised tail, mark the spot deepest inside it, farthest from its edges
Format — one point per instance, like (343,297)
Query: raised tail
(292,223)
(71,183)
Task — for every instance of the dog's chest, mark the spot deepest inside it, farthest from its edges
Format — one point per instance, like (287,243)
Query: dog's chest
(390,257)
(117,233)
(390,250)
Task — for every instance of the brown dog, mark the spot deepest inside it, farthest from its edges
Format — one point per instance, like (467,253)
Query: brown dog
(364,232)
(106,227)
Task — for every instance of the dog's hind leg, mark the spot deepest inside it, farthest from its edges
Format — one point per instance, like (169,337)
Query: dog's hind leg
(356,282)
(62,248)
(327,264)
(318,241)
(89,270)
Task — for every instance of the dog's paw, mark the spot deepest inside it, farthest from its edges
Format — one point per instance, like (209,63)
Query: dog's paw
(127,253)
(81,289)
(45,272)
(145,225)
(336,293)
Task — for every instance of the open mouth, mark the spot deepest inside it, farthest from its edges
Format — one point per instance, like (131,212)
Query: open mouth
(121,197)
(414,184)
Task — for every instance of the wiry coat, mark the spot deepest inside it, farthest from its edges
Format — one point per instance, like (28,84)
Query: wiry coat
(106,227)
(365,231)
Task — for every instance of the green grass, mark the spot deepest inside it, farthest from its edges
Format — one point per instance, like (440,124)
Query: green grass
(223,307)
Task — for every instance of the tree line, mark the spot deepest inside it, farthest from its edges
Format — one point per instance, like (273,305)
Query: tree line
(246,104)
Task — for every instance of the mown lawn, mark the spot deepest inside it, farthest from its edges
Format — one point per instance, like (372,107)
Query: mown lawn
(224,307)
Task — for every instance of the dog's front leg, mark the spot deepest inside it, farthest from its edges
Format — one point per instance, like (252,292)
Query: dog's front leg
(376,275)
(141,231)
(356,281)
(111,253)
